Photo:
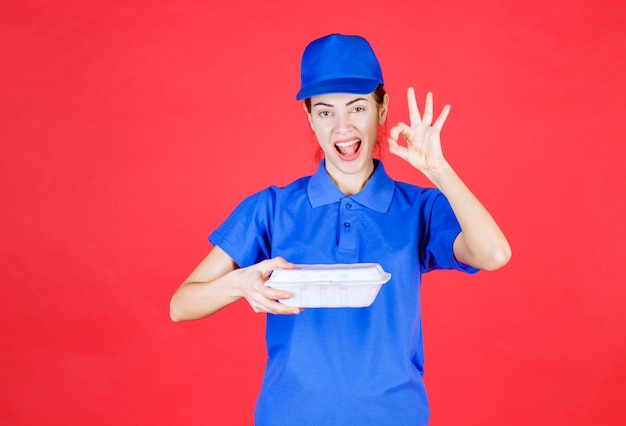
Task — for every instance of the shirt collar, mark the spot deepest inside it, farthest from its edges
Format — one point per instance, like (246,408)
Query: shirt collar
(376,195)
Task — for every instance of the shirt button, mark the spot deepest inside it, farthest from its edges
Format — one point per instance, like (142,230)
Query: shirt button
(346,225)
(348,205)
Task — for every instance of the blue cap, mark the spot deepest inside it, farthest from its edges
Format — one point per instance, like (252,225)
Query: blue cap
(339,63)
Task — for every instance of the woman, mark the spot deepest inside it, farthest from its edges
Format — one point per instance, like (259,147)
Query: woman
(347,366)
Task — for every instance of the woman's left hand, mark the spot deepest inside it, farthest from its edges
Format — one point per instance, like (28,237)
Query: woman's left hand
(423,144)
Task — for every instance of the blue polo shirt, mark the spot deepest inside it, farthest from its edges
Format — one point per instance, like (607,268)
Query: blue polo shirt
(346,366)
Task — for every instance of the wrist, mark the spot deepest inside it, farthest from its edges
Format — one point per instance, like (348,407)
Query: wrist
(233,284)
(439,175)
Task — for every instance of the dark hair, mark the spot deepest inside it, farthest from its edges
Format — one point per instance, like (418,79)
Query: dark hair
(379,96)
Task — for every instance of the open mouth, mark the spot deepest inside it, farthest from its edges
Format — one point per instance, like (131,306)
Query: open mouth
(348,148)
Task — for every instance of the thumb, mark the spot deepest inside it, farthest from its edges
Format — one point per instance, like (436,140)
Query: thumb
(397,130)
(281,263)
(267,266)
(397,149)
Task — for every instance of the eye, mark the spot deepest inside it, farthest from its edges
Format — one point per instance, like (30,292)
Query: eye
(358,109)
(324,113)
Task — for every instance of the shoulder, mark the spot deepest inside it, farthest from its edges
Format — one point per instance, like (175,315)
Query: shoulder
(297,185)
(274,191)
(293,191)
(406,193)
(273,195)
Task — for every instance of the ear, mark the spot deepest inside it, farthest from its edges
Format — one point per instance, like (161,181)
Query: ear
(382,109)
(308,115)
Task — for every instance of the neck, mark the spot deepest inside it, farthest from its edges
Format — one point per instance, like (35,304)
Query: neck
(351,183)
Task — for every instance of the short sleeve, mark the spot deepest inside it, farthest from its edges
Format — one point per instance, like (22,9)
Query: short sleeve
(245,235)
(441,230)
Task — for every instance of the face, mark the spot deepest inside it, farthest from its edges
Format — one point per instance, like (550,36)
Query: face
(346,127)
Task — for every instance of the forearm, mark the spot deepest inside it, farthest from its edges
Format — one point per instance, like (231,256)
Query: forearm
(481,243)
(195,300)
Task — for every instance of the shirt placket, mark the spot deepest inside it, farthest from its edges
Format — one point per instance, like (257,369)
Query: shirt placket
(348,225)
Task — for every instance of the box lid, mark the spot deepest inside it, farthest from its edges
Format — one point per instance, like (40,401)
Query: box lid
(319,274)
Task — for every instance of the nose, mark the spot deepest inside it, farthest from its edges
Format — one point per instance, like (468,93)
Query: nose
(342,123)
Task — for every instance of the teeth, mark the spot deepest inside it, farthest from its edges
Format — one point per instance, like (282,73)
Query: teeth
(342,144)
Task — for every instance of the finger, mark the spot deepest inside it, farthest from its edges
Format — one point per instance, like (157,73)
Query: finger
(273,306)
(414,112)
(266,299)
(396,149)
(281,263)
(399,129)
(281,309)
(267,266)
(428,109)
(272,293)
(442,117)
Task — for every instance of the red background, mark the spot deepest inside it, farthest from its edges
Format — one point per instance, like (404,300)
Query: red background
(129,130)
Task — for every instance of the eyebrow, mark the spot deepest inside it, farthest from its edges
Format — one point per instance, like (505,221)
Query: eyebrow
(347,104)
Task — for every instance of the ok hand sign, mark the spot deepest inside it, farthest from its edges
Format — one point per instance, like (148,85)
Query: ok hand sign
(423,145)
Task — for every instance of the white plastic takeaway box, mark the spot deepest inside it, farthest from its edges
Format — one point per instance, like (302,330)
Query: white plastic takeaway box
(330,286)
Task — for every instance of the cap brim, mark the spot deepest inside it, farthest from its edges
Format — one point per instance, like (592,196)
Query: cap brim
(358,86)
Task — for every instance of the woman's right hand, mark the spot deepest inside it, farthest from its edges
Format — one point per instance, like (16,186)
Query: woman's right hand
(251,284)
(217,282)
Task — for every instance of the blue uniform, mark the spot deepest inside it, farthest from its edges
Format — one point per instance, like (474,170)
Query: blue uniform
(346,366)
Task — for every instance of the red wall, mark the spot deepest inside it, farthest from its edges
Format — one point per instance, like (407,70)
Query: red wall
(129,130)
